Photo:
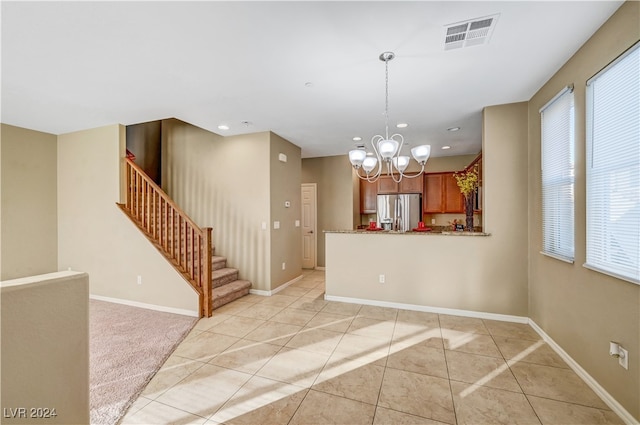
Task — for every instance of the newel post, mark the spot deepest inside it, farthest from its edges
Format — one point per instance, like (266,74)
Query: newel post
(207,291)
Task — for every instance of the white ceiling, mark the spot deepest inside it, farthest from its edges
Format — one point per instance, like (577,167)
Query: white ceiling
(68,66)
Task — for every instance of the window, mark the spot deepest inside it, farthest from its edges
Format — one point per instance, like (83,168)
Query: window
(613,168)
(558,177)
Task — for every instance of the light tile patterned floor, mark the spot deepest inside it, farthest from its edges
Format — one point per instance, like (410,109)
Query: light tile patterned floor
(295,358)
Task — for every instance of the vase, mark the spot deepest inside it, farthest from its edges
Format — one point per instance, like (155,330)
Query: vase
(468,209)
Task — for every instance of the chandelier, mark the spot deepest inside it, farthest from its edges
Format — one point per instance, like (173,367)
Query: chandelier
(387,149)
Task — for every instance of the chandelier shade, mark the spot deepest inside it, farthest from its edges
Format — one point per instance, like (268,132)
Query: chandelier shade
(387,149)
(421,153)
(369,164)
(357,156)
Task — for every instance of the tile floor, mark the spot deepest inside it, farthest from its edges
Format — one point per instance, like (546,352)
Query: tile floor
(294,358)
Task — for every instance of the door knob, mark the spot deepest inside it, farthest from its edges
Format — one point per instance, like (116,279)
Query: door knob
(310,231)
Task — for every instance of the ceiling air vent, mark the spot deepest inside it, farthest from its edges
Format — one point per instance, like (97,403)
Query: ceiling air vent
(470,33)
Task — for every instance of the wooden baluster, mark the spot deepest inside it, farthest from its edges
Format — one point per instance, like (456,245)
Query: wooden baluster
(197,264)
(179,256)
(184,244)
(134,191)
(171,237)
(165,224)
(128,179)
(140,197)
(154,214)
(147,206)
(192,254)
(136,194)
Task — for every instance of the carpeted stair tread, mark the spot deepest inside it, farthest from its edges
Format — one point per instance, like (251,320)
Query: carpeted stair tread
(223,276)
(229,292)
(218,263)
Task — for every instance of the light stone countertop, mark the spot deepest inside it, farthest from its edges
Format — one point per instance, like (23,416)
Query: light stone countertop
(393,232)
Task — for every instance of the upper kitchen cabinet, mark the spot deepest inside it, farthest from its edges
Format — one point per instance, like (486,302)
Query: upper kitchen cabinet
(387,186)
(453,199)
(432,196)
(368,193)
(442,194)
(411,185)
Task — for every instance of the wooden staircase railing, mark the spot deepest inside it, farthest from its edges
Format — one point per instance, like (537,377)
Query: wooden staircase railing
(181,241)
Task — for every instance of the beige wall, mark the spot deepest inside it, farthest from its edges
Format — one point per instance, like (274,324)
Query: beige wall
(96,237)
(448,163)
(223,183)
(478,273)
(582,310)
(28,245)
(333,177)
(286,242)
(45,347)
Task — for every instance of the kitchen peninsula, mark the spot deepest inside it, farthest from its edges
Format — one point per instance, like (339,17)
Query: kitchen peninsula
(442,272)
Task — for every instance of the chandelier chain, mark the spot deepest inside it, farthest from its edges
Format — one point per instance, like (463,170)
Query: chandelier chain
(386,97)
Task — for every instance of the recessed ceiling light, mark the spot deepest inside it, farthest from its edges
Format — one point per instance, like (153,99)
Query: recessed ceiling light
(223,127)
(402,125)
(453,129)
(357,139)
(446,147)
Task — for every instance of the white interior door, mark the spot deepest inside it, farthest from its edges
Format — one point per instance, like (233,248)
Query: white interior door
(309,233)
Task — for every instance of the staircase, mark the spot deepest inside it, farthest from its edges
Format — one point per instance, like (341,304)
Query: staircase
(185,245)
(226,285)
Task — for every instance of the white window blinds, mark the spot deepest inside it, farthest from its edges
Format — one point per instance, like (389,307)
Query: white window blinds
(613,168)
(558,176)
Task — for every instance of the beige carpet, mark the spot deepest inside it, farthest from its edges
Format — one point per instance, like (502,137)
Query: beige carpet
(128,345)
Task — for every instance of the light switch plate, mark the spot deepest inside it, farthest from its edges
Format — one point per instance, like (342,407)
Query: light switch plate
(276,224)
(297,223)
(623,360)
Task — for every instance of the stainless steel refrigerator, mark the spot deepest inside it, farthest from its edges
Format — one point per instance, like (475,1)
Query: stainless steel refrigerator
(400,212)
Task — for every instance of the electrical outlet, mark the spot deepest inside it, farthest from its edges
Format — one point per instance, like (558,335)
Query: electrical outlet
(433,221)
(381,278)
(139,280)
(284,266)
(623,360)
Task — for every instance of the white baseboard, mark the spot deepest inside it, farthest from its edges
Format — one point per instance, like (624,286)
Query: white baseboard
(613,404)
(428,309)
(275,291)
(320,268)
(147,306)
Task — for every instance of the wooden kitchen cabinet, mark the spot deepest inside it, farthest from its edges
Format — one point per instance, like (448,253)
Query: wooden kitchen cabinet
(453,200)
(368,193)
(442,194)
(411,185)
(432,195)
(387,186)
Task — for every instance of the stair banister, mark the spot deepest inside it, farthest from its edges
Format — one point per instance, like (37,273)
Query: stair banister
(187,246)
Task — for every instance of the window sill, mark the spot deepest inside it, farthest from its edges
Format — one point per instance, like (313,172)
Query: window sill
(557,257)
(612,274)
